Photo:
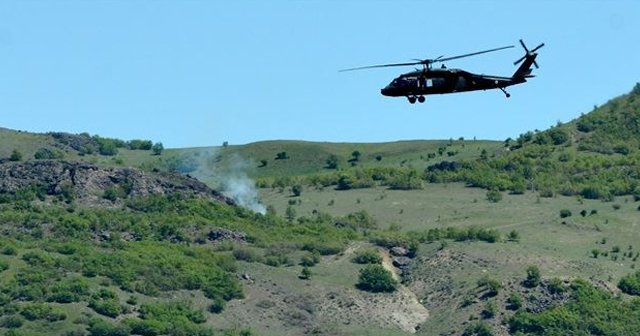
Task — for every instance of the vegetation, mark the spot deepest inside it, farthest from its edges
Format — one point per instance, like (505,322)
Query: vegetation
(630,284)
(590,311)
(375,278)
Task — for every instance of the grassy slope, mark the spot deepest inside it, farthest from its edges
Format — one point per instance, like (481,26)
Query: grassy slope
(560,247)
(443,277)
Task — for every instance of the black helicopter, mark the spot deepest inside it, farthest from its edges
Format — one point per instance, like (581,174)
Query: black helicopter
(416,84)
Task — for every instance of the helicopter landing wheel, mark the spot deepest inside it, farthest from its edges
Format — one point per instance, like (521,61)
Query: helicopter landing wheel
(421,99)
(412,99)
(508,95)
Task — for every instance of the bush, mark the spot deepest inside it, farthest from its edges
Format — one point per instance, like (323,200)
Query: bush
(630,284)
(564,213)
(39,311)
(494,196)
(12,322)
(533,277)
(100,327)
(157,148)
(491,285)
(369,256)
(375,278)
(489,310)
(478,329)
(310,259)
(15,155)
(305,274)
(514,301)
(556,286)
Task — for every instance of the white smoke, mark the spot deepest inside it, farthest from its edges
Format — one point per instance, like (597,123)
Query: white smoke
(243,191)
(236,184)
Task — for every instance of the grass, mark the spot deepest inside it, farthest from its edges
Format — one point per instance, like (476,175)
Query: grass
(560,247)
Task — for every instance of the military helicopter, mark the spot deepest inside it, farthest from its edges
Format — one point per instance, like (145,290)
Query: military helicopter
(416,84)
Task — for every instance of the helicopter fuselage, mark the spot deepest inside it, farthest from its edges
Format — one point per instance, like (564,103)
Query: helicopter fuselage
(444,80)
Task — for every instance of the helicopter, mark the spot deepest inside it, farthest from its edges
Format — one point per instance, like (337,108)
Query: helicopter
(417,84)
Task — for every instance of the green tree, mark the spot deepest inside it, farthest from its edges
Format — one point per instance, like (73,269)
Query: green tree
(332,162)
(494,196)
(514,301)
(15,155)
(368,256)
(630,284)
(296,190)
(375,278)
(533,276)
(157,148)
(356,155)
(305,274)
(290,213)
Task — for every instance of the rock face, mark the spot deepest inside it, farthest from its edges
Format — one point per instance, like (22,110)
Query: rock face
(89,182)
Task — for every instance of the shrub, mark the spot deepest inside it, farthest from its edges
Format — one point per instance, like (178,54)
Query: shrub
(514,236)
(491,285)
(514,301)
(15,155)
(478,329)
(494,196)
(533,277)
(375,278)
(157,148)
(100,327)
(39,311)
(310,259)
(489,310)
(630,284)
(564,213)
(369,256)
(556,286)
(12,322)
(305,274)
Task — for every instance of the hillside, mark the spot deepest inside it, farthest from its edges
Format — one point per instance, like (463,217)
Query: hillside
(455,237)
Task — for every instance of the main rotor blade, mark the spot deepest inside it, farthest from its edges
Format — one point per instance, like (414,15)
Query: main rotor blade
(467,55)
(538,47)
(524,46)
(382,66)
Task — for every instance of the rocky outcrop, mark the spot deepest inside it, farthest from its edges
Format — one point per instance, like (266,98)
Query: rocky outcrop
(89,182)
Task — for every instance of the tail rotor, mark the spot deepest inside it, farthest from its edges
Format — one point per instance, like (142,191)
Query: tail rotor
(529,53)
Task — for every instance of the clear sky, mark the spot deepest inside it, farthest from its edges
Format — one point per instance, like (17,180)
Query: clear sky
(197,73)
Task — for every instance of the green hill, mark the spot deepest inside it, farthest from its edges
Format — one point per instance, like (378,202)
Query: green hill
(101,237)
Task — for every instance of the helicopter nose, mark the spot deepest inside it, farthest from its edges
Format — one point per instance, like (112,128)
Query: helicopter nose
(385,91)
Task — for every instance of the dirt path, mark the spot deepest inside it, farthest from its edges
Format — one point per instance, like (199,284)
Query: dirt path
(412,313)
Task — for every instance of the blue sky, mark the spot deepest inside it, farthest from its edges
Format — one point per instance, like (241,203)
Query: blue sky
(197,73)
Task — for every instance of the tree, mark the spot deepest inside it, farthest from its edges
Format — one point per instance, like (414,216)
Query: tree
(282,156)
(305,274)
(375,278)
(332,161)
(356,155)
(290,213)
(494,196)
(157,148)
(514,236)
(630,284)
(533,276)
(296,190)
(15,155)
(369,256)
